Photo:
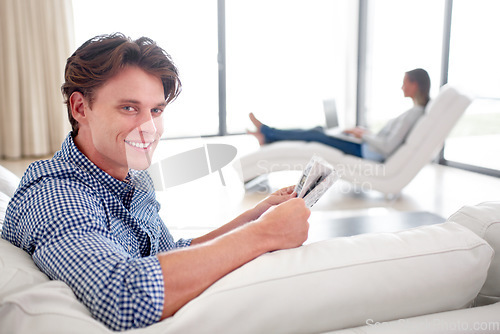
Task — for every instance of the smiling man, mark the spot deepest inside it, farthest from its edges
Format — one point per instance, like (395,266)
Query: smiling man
(124,124)
(89,216)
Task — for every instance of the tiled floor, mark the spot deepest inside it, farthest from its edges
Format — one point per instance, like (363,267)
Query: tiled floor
(205,203)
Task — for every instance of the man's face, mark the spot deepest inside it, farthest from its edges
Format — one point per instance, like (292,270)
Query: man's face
(122,128)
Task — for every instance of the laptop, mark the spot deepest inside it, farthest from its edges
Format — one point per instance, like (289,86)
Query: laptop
(332,122)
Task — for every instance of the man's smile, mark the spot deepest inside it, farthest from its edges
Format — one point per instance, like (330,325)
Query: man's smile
(139,145)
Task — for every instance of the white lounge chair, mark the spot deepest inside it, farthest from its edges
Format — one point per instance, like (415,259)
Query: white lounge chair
(421,146)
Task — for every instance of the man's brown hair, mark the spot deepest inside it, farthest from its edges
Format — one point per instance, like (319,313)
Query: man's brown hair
(101,57)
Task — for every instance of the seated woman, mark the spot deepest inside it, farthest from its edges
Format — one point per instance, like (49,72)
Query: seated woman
(379,146)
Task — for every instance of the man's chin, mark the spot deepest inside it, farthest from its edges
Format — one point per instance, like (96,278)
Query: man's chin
(139,161)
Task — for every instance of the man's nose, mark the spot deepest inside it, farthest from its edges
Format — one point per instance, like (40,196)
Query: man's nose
(148,125)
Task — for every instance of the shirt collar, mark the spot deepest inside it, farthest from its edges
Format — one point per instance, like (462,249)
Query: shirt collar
(69,152)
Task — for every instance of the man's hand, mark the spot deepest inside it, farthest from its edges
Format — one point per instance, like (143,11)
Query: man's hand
(275,198)
(284,225)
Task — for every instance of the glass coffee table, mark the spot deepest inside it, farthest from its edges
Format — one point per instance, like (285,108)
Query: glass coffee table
(328,224)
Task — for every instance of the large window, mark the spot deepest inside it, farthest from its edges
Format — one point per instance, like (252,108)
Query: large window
(401,36)
(474,58)
(283,59)
(286,57)
(187,30)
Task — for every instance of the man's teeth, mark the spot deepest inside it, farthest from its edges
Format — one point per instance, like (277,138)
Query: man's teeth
(138,145)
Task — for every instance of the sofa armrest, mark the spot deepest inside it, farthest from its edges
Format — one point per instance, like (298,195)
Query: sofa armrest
(484,220)
(343,282)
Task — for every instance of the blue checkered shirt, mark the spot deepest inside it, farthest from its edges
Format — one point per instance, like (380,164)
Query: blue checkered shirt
(94,232)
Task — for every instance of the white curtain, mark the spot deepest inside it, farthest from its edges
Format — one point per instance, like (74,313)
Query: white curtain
(36,38)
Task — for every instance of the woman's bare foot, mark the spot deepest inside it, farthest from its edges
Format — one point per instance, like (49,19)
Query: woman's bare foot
(260,137)
(255,121)
(257,134)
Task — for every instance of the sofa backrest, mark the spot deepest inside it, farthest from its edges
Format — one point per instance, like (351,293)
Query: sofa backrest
(484,220)
(8,185)
(8,181)
(4,201)
(428,135)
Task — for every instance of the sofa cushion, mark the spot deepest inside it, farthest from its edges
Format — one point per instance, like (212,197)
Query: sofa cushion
(342,282)
(484,220)
(323,286)
(18,271)
(31,303)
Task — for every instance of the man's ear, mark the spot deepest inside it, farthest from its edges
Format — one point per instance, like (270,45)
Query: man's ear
(78,107)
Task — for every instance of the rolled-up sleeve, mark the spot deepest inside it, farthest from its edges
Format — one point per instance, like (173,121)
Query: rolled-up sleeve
(167,242)
(121,291)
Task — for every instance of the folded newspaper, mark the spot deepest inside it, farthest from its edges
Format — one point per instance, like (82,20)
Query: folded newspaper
(316,179)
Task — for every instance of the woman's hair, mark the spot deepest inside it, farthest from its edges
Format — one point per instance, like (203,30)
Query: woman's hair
(421,77)
(101,57)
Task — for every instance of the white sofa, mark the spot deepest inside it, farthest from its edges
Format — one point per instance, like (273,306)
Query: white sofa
(421,146)
(422,280)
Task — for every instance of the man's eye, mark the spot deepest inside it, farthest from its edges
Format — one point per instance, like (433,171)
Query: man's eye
(156,111)
(128,108)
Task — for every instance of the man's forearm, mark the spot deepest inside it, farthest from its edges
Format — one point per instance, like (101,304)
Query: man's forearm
(189,271)
(276,198)
(241,220)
